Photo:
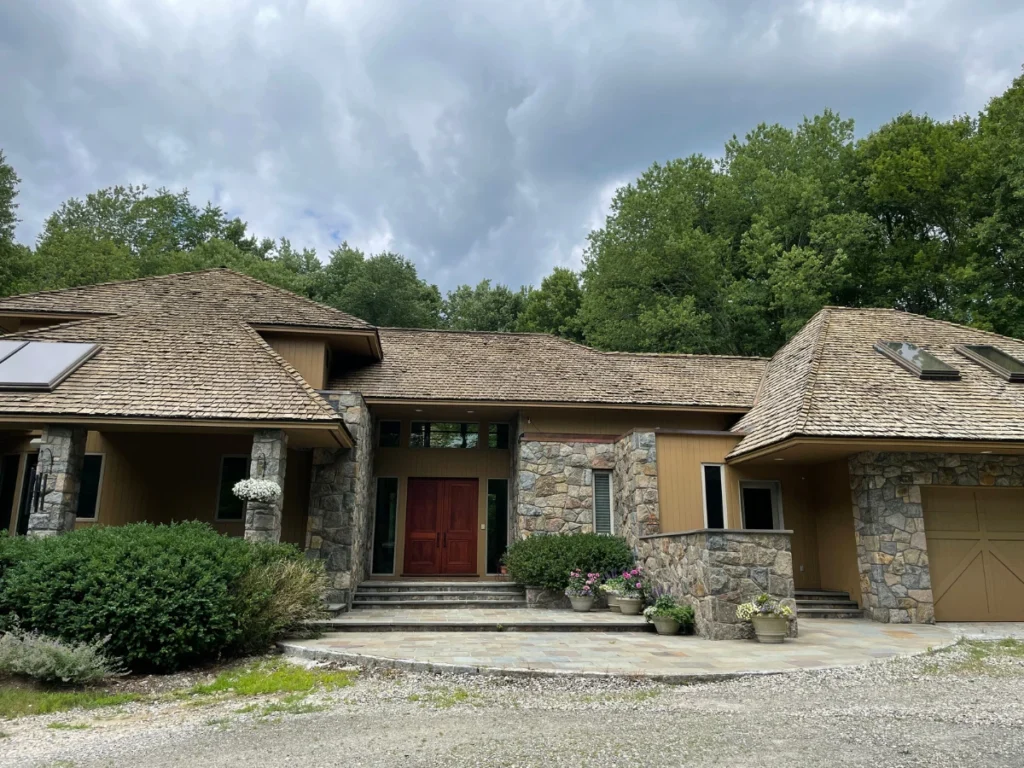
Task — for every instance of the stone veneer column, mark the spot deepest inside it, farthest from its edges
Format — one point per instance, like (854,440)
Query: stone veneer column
(61,456)
(892,549)
(340,509)
(268,462)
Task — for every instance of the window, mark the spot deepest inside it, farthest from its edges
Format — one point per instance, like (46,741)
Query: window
(232,469)
(389,434)
(8,483)
(497,523)
(603,502)
(916,360)
(993,358)
(444,434)
(761,503)
(497,435)
(714,498)
(29,492)
(384,525)
(40,364)
(89,490)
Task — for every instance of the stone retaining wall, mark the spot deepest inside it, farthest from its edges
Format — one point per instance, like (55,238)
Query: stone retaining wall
(892,550)
(717,570)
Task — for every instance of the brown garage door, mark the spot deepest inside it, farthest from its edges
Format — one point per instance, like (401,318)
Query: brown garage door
(976,552)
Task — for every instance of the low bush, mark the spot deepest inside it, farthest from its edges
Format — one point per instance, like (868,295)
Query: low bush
(167,597)
(547,561)
(278,597)
(49,660)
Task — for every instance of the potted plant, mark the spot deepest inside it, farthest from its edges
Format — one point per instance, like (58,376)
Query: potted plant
(769,617)
(613,588)
(668,616)
(632,598)
(582,589)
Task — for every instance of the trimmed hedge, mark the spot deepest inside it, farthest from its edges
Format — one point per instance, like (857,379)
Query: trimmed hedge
(545,561)
(164,597)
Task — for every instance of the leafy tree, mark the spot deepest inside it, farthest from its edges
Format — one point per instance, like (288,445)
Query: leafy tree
(555,306)
(483,308)
(16,261)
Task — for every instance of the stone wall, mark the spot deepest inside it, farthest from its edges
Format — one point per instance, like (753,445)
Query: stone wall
(61,456)
(635,484)
(717,570)
(554,485)
(892,550)
(268,461)
(339,529)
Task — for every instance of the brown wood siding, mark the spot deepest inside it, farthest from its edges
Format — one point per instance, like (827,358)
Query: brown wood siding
(589,421)
(680,479)
(296,497)
(837,545)
(479,463)
(307,356)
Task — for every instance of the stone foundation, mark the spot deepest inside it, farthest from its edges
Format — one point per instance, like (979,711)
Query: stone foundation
(340,502)
(717,570)
(268,462)
(892,550)
(61,456)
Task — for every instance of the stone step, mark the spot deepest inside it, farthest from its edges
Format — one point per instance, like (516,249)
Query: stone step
(454,597)
(830,613)
(816,594)
(359,602)
(439,586)
(352,624)
(820,605)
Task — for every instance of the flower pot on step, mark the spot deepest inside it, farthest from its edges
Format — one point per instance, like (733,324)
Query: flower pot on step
(582,604)
(770,629)
(630,606)
(613,602)
(665,625)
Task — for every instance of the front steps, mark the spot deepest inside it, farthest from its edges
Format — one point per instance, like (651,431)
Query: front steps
(826,604)
(439,594)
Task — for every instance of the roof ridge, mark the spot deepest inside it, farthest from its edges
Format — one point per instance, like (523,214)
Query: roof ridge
(812,376)
(107,283)
(61,326)
(291,371)
(293,295)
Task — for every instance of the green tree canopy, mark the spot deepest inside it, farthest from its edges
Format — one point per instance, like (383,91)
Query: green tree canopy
(555,306)
(483,308)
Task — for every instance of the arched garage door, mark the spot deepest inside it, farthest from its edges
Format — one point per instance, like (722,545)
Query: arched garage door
(976,552)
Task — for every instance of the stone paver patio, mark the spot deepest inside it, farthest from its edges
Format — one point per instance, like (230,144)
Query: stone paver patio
(822,643)
(521,619)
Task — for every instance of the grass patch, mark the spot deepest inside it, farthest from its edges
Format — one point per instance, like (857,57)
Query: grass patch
(275,676)
(442,698)
(69,726)
(19,700)
(977,657)
(294,704)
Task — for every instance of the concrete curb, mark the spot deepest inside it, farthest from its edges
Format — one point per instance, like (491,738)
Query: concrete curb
(369,661)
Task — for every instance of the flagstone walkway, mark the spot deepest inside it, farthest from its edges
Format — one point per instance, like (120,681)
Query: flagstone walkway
(822,643)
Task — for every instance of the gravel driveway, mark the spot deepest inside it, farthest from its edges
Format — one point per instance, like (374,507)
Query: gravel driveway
(963,706)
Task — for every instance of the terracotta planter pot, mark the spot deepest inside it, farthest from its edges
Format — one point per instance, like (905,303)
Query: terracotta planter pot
(613,602)
(630,606)
(665,625)
(582,604)
(770,629)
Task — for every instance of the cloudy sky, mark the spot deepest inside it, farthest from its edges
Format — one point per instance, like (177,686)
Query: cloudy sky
(480,139)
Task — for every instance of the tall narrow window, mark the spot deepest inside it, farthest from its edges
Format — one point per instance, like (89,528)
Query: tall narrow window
(761,504)
(384,525)
(8,483)
(388,434)
(89,491)
(229,506)
(603,502)
(497,435)
(497,523)
(714,498)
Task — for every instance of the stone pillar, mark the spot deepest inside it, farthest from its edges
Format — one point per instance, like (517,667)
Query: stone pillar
(268,462)
(339,527)
(59,471)
(637,510)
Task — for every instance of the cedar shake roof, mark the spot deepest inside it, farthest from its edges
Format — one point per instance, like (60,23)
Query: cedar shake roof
(534,367)
(211,292)
(179,346)
(829,381)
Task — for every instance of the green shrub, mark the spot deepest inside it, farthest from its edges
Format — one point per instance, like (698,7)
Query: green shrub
(278,597)
(545,561)
(49,660)
(166,596)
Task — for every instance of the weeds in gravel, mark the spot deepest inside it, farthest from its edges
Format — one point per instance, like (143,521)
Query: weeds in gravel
(69,726)
(295,704)
(18,700)
(978,657)
(442,698)
(274,676)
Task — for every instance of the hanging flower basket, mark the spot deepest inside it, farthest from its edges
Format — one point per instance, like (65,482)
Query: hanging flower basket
(256,490)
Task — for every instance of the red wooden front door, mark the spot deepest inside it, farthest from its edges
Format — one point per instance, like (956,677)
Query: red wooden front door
(440,527)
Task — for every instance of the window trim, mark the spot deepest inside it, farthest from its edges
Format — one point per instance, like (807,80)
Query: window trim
(508,517)
(373,528)
(99,488)
(775,486)
(704,494)
(611,499)
(220,482)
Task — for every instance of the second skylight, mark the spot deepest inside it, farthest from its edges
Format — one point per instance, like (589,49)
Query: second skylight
(918,361)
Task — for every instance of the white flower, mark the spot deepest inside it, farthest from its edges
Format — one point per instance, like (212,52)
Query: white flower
(252,489)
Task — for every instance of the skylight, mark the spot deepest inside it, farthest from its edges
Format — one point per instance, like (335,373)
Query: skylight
(916,360)
(993,358)
(40,364)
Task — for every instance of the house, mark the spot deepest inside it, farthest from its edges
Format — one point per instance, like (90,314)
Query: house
(878,453)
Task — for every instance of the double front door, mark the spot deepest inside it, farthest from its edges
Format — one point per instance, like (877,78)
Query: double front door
(440,527)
